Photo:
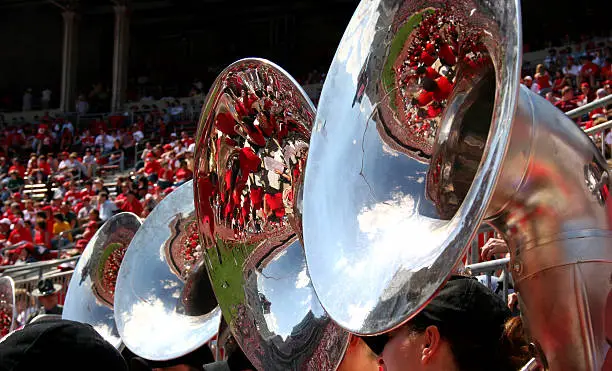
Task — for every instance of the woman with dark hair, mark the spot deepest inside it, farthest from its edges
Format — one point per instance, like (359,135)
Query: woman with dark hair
(465,327)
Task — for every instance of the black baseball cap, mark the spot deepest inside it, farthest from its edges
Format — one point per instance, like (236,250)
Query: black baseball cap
(463,308)
(59,345)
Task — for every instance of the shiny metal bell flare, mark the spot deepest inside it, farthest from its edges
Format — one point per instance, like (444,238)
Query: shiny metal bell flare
(385,219)
(164,305)
(251,149)
(8,310)
(92,287)
(422,133)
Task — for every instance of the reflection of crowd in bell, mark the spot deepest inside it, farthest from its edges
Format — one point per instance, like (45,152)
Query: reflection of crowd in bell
(259,141)
(427,68)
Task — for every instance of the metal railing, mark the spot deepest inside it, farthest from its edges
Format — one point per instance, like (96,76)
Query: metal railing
(488,269)
(598,136)
(30,269)
(583,110)
(484,232)
(24,287)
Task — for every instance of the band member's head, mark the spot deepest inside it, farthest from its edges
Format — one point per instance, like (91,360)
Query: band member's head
(62,345)
(463,328)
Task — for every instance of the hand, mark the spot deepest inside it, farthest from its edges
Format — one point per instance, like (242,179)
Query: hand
(492,247)
(512,300)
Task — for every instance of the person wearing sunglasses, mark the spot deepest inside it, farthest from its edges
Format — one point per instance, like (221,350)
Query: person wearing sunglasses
(465,327)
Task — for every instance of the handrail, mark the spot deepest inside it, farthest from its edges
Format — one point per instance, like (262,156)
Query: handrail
(487,266)
(601,127)
(38,265)
(577,112)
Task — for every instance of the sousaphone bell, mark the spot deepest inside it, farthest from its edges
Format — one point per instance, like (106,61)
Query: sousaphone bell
(7,306)
(422,133)
(164,304)
(251,146)
(91,292)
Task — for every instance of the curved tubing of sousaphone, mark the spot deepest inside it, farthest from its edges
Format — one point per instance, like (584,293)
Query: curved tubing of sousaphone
(422,132)
(164,305)
(91,290)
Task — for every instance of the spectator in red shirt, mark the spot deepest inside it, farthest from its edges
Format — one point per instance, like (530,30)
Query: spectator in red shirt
(183,174)
(41,234)
(17,166)
(20,233)
(89,232)
(567,102)
(187,141)
(587,96)
(589,70)
(606,69)
(42,170)
(151,168)
(131,204)
(166,175)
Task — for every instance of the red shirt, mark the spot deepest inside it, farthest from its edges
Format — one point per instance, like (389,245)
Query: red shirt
(71,196)
(606,72)
(183,174)
(45,168)
(20,169)
(40,237)
(166,174)
(20,234)
(589,69)
(132,207)
(543,81)
(566,105)
(152,167)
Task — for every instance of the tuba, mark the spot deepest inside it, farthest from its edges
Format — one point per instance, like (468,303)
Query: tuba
(252,141)
(422,133)
(251,148)
(91,292)
(8,309)
(164,304)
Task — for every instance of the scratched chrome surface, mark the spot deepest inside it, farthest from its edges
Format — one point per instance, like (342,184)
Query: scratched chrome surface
(87,299)
(399,163)
(164,305)
(7,305)
(251,149)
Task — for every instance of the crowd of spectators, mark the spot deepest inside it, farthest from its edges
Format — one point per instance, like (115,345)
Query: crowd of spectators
(571,78)
(67,164)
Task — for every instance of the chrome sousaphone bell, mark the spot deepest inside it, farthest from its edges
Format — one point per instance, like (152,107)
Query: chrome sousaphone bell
(251,146)
(8,309)
(423,132)
(91,292)
(164,305)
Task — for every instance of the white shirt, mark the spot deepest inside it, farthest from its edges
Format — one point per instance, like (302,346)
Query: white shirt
(107,209)
(84,212)
(66,164)
(105,141)
(574,70)
(68,125)
(138,136)
(46,94)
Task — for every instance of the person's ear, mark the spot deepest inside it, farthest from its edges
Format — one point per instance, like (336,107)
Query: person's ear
(431,343)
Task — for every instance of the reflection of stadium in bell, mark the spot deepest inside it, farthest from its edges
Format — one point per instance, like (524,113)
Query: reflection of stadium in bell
(7,306)
(284,307)
(257,144)
(252,142)
(91,292)
(434,59)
